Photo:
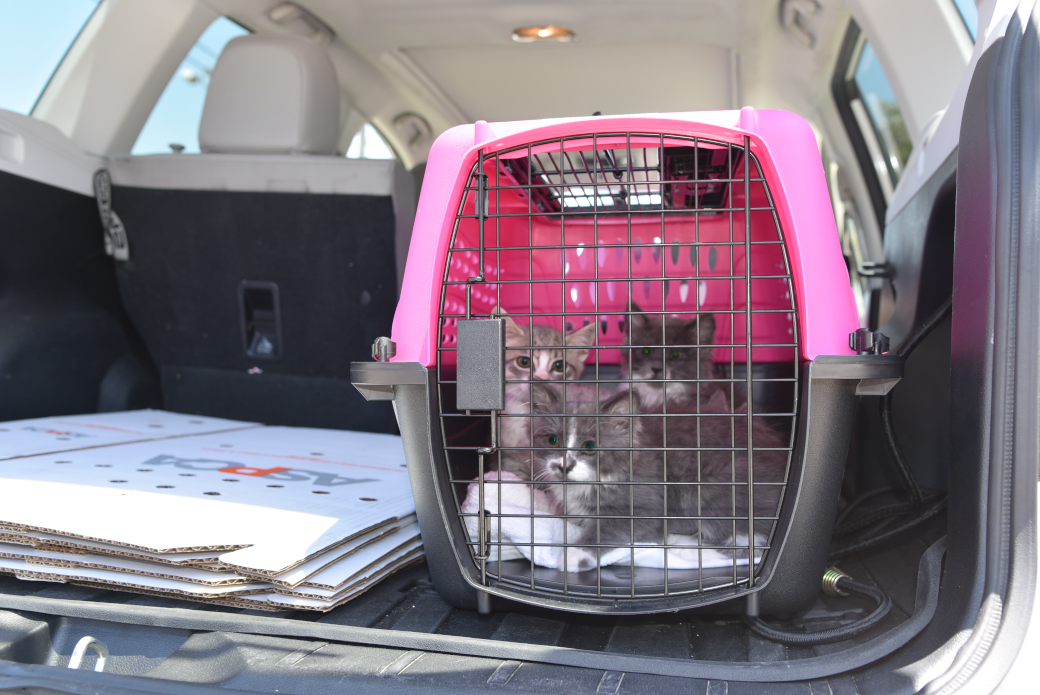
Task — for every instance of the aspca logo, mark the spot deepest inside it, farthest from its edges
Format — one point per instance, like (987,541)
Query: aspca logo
(279,473)
(56,433)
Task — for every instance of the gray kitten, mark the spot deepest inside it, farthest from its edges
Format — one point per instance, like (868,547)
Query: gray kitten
(713,425)
(580,456)
(543,360)
(680,361)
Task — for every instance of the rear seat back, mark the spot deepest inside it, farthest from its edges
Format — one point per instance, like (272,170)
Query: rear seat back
(262,267)
(66,345)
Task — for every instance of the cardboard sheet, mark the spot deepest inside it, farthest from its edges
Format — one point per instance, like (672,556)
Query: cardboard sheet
(342,555)
(48,541)
(72,432)
(255,600)
(276,504)
(116,564)
(221,516)
(340,574)
(356,579)
(275,601)
(112,579)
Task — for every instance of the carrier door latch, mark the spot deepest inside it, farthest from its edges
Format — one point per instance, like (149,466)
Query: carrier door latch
(480,380)
(481,385)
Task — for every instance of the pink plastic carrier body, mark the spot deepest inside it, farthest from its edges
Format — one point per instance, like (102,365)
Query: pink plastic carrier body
(692,261)
(788,162)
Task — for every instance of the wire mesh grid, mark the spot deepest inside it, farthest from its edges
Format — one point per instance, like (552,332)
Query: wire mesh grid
(651,397)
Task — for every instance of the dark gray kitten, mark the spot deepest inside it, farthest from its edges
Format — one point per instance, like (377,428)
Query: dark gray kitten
(678,362)
(690,433)
(542,360)
(583,452)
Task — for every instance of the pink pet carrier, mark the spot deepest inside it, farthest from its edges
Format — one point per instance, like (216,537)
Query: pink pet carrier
(671,286)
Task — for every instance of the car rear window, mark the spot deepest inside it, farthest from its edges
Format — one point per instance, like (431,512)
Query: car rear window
(34,38)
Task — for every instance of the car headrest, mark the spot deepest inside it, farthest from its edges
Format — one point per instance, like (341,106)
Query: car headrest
(272,95)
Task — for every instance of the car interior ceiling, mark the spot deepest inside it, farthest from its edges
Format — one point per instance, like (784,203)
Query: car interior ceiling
(268,251)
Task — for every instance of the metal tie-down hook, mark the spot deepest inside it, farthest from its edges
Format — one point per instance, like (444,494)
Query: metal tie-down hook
(80,650)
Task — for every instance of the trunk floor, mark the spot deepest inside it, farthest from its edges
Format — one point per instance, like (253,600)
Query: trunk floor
(407,601)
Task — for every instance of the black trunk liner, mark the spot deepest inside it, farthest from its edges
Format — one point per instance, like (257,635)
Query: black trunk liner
(404,616)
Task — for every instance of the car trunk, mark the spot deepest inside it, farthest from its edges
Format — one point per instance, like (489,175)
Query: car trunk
(403,631)
(400,635)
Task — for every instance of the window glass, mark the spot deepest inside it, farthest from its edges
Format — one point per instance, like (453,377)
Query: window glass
(885,116)
(970,15)
(174,122)
(369,144)
(34,37)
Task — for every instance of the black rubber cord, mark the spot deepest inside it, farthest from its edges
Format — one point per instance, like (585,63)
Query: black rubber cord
(884,604)
(856,546)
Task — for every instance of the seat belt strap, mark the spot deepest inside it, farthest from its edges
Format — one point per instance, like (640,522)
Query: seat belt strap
(116,244)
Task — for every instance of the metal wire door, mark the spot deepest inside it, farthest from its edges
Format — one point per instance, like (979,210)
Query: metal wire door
(652,362)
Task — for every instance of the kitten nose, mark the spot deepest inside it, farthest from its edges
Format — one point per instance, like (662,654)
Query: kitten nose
(656,371)
(565,467)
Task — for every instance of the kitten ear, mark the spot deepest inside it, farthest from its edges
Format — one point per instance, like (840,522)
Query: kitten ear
(638,319)
(703,327)
(623,403)
(707,329)
(717,403)
(515,335)
(583,336)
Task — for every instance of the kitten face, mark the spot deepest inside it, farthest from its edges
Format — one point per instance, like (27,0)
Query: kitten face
(532,364)
(544,359)
(575,441)
(681,360)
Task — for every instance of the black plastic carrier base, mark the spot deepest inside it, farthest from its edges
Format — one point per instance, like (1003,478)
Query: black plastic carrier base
(786,581)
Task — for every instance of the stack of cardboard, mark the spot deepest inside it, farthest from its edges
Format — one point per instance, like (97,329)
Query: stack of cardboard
(213,510)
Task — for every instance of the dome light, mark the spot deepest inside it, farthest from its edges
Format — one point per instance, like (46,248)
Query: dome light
(546,33)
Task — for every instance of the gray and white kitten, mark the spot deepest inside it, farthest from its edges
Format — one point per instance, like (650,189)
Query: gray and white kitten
(583,452)
(541,359)
(687,357)
(582,447)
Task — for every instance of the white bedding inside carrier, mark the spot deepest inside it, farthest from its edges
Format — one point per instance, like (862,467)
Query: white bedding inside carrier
(525,525)
(204,508)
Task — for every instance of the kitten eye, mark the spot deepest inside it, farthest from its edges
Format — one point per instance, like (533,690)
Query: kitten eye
(674,355)
(557,366)
(646,352)
(523,361)
(552,440)
(589,445)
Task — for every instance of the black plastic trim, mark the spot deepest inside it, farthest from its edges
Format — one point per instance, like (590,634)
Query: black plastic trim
(929,571)
(788,579)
